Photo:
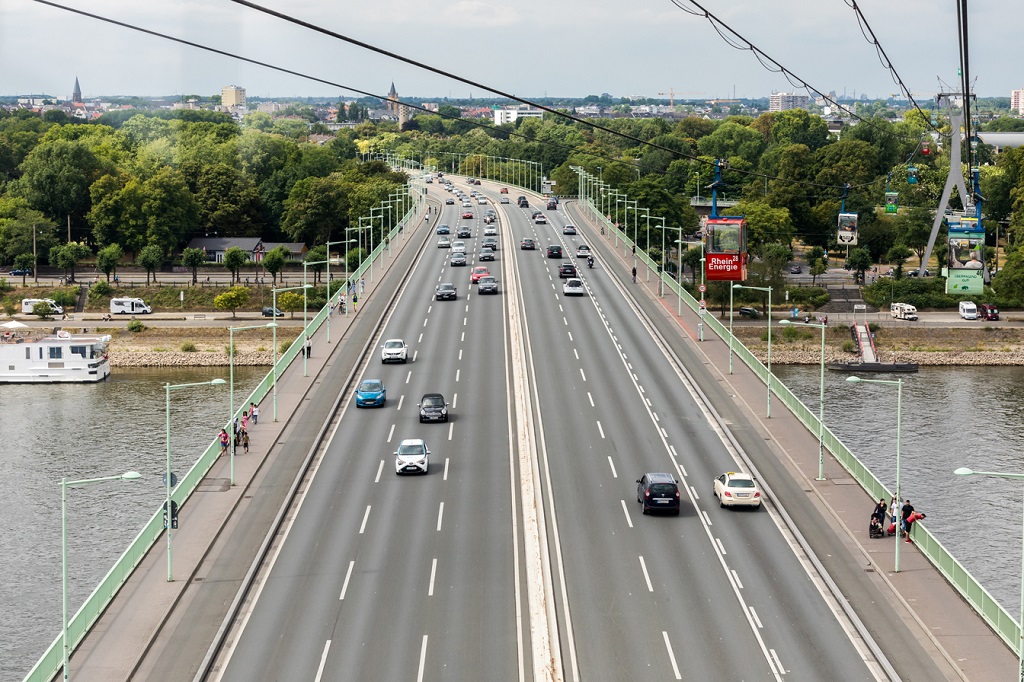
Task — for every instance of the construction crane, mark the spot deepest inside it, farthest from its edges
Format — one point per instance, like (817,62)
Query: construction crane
(671,94)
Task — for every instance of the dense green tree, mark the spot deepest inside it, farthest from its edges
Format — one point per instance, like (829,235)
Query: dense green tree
(192,258)
(151,257)
(316,258)
(67,256)
(733,140)
(55,178)
(273,261)
(232,299)
(108,258)
(24,262)
(765,224)
(229,204)
(914,227)
(1009,281)
(897,256)
(691,259)
(234,259)
(22,228)
(313,208)
(291,302)
(169,210)
(859,262)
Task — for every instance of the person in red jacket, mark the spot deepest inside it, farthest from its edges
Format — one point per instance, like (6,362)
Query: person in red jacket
(914,516)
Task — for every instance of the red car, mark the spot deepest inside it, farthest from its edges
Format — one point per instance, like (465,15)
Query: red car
(478,272)
(467,214)
(504,190)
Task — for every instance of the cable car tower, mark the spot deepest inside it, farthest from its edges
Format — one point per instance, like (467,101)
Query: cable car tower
(971,200)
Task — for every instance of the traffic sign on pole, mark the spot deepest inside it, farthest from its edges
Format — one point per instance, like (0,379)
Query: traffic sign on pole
(702,288)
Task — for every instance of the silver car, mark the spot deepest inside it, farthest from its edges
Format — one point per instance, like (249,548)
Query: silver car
(458,247)
(412,457)
(444,242)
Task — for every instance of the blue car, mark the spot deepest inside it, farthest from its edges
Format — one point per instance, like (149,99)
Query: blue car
(371,393)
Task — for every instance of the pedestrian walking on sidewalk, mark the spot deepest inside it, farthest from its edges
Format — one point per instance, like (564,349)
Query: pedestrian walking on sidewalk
(245,442)
(254,411)
(225,440)
(245,421)
(634,275)
(309,348)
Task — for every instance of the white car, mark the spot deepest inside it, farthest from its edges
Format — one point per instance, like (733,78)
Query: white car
(481,201)
(459,247)
(582,251)
(412,457)
(504,200)
(444,242)
(467,204)
(394,350)
(491,231)
(737,490)
(573,287)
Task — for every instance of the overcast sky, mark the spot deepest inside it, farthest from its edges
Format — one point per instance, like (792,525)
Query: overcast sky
(531,48)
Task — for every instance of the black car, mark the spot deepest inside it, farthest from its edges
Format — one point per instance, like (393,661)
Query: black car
(457,258)
(433,408)
(658,492)
(449,201)
(444,229)
(464,232)
(268,311)
(445,291)
(795,269)
(487,285)
(555,251)
(523,203)
(566,270)
(26,272)
(489,243)
(552,205)
(486,253)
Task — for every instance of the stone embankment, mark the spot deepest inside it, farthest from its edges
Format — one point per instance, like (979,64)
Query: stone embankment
(923,358)
(142,358)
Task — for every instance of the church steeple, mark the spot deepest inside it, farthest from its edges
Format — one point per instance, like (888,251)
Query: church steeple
(76,96)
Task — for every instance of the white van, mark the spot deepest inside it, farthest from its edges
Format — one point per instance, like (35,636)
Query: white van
(129,306)
(968,310)
(29,304)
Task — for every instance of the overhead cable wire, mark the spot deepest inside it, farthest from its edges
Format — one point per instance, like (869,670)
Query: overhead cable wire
(885,61)
(772,64)
(485,127)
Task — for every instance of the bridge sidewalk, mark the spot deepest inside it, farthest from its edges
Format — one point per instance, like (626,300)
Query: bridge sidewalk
(941,621)
(133,624)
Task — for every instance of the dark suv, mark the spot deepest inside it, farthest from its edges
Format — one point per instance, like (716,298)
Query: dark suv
(566,270)
(445,291)
(433,408)
(523,203)
(658,492)
(554,251)
(987,311)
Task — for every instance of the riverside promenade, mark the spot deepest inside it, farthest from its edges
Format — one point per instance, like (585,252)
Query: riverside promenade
(914,614)
(160,630)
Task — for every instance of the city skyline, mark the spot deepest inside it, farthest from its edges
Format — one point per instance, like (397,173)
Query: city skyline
(575,50)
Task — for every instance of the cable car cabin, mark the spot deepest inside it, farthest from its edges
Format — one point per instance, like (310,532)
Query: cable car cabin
(911,175)
(925,149)
(725,250)
(892,202)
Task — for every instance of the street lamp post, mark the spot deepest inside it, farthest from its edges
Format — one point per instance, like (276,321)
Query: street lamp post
(679,285)
(768,412)
(168,483)
(274,291)
(899,417)
(64,484)
(636,229)
(821,399)
(661,265)
(231,391)
(964,471)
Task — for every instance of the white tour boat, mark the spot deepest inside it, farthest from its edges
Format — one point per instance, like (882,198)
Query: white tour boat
(28,355)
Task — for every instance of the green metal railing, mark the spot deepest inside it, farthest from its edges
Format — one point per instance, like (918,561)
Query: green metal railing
(998,618)
(78,625)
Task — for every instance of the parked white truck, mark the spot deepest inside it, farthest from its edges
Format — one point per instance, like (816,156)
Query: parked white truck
(129,306)
(903,311)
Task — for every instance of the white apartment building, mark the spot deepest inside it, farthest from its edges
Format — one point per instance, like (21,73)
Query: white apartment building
(781,101)
(512,114)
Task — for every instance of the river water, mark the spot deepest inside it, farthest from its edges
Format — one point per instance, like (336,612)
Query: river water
(952,417)
(83,431)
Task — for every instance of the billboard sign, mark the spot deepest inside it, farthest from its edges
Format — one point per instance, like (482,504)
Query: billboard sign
(725,267)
